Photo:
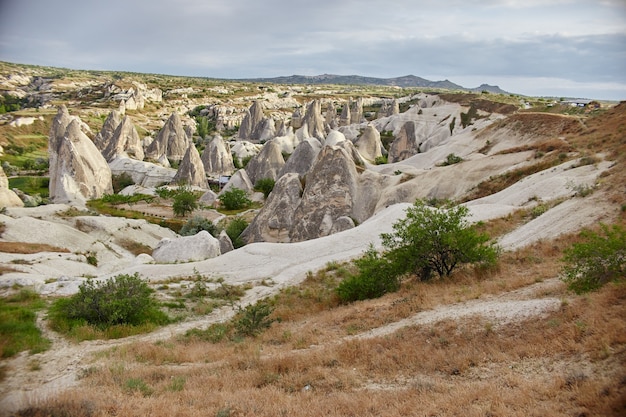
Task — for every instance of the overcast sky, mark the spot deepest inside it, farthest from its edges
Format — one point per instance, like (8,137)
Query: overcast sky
(574,48)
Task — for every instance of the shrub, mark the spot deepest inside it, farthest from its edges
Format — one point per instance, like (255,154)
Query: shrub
(436,240)
(124,299)
(452,159)
(235,199)
(185,201)
(197,224)
(376,276)
(234,230)
(600,258)
(121,181)
(381,160)
(253,319)
(265,185)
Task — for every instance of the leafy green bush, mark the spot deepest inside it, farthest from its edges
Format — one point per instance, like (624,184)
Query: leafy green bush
(121,181)
(265,185)
(197,224)
(124,299)
(452,159)
(376,276)
(234,230)
(235,199)
(185,201)
(253,319)
(381,160)
(600,258)
(436,240)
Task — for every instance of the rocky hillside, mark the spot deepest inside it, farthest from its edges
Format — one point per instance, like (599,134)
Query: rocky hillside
(92,162)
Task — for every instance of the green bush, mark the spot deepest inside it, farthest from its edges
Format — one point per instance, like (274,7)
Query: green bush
(265,185)
(235,199)
(197,224)
(121,181)
(452,159)
(124,299)
(381,160)
(253,319)
(436,240)
(600,258)
(185,201)
(234,230)
(18,328)
(376,276)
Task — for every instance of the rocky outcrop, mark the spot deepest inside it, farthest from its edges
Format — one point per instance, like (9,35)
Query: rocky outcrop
(199,247)
(171,142)
(356,111)
(8,198)
(313,121)
(242,149)
(389,108)
(331,117)
(251,122)
(341,224)
(405,144)
(369,144)
(275,220)
(329,194)
(241,180)
(302,158)
(226,244)
(102,139)
(191,170)
(78,172)
(296,119)
(344,119)
(334,137)
(125,142)
(145,174)
(267,164)
(216,157)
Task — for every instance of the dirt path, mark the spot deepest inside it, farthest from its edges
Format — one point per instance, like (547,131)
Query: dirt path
(38,376)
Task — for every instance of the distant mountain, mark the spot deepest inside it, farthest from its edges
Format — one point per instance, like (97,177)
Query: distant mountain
(404,81)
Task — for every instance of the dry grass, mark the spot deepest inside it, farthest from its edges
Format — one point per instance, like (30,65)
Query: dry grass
(29,248)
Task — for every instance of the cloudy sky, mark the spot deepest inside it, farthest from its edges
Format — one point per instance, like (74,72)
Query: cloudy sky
(573,48)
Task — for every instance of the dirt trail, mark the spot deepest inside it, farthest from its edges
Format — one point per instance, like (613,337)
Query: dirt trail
(34,377)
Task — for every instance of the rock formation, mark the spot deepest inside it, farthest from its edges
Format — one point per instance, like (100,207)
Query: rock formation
(334,137)
(242,149)
(405,144)
(171,142)
(101,140)
(125,141)
(145,174)
(267,164)
(356,111)
(8,198)
(389,108)
(314,121)
(302,158)
(344,119)
(216,157)
(331,117)
(239,180)
(78,172)
(226,245)
(296,119)
(329,194)
(199,247)
(191,170)
(250,122)
(369,145)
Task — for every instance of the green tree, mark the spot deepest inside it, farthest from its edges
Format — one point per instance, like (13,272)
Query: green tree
(598,259)
(185,201)
(235,199)
(436,240)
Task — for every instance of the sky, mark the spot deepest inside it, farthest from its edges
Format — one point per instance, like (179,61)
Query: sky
(560,48)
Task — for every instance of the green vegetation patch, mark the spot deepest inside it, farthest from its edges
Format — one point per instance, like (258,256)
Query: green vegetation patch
(18,329)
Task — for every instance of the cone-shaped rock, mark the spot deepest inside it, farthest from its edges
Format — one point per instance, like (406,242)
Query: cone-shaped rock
(267,164)
(405,144)
(171,142)
(241,180)
(108,129)
(248,130)
(78,171)
(369,144)
(330,192)
(344,119)
(191,170)
(124,142)
(334,137)
(216,157)
(302,158)
(314,120)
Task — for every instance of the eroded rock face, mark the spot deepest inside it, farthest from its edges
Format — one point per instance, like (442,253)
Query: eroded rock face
(356,111)
(369,144)
(187,249)
(226,245)
(329,193)
(267,164)
(249,128)
(344,119)
(171,142)
(314,121)
(78,171)
(8,198)
(241,180)
(108,129)
(405,144)
(145,174)
(275,220)
(125,141)
(191,170)
(302,158)
(217,158)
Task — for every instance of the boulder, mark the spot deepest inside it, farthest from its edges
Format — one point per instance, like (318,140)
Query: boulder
(241,180)
(369,144)
(330,190)
(78,171)
(334,137)
(171,141)
(226,245)
(242,149)
(199,247)
(208,198)
(145,174)
(101,140)
(405,144)
(8,198)
(191,170)
(341,224)
(302,158)
(216,157)
(125,141)
(275,220)
(267,164)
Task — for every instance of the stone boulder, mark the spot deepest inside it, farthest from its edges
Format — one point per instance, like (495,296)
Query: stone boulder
(199,247)
(242,149)
(145,174)
(216,157)
(125,141)
(78,171)
(171,141)
(405,144)
(101,140)
(369,144)
(241,180)
(267,164)
(191,170)
(302,158)
(275,220)
(226,245)
(329,194)
(341,224)
(208,198)
(334,137)
(8,198)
